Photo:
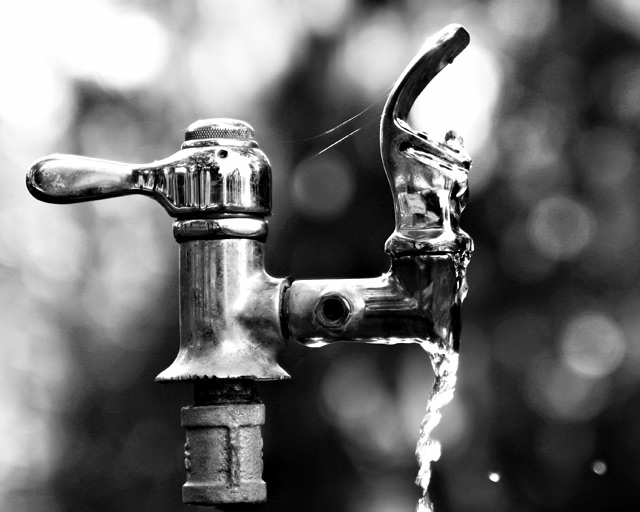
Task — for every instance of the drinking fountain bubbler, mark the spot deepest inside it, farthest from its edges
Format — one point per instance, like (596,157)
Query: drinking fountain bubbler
(235,318)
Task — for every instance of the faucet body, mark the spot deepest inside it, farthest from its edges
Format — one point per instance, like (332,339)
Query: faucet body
(226,296)
(235,318)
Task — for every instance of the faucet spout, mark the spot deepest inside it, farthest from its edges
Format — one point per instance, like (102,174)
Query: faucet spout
(419,299)
(428,178)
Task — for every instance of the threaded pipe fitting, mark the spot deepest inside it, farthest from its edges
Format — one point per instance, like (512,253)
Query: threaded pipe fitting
(223,451)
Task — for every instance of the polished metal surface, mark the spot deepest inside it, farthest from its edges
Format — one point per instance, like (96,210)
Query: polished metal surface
(217,174)
(235,318)
(419,299)
(220,228)
(416,301)
(428,178)
(229,313)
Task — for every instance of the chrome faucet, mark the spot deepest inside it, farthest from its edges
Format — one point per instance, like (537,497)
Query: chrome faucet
(235,318)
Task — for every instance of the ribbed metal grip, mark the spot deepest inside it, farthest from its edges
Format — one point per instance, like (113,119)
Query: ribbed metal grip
(219,129)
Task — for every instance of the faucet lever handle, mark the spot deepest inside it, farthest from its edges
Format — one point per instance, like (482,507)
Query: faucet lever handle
(219,170)
(71,179)
(428,179)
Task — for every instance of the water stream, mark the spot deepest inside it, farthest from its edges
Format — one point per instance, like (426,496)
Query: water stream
(444,360)
(445,367)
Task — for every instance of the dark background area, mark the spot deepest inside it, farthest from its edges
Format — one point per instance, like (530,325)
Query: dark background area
(547,98)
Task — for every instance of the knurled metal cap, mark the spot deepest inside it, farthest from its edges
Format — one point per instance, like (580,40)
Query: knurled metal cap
(228,129)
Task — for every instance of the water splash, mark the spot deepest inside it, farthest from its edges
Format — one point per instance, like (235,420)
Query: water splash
(445,367)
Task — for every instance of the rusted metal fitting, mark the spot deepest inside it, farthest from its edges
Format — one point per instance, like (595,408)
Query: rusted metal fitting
(223,450)
(223,454)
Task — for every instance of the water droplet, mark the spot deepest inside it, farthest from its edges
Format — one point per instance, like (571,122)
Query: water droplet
(599,467)
(494,476)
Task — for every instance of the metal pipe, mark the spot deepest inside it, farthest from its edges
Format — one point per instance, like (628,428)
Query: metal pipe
(416,301)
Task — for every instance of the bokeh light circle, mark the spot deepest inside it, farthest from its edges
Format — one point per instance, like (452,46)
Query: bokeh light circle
(592,344)
(558,393)
(322,187)
(560,227)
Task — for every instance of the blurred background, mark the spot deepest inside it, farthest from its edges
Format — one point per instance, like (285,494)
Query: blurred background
(547,97)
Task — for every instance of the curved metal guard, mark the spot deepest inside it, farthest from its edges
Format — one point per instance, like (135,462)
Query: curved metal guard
(428,179)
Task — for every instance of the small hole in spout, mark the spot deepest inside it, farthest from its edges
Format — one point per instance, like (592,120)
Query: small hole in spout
(333,311)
